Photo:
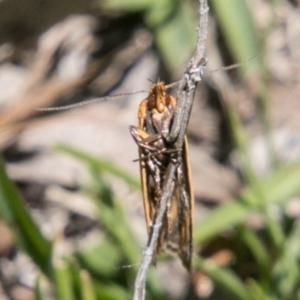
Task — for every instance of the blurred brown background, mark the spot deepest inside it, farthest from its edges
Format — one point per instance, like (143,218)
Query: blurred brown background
(55,53)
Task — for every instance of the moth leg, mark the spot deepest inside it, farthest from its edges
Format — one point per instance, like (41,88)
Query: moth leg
(143,139)
(152,138)
(173,102)
(185,219)
(142,113)
(153,164)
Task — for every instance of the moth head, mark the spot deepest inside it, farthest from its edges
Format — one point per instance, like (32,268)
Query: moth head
(159,93)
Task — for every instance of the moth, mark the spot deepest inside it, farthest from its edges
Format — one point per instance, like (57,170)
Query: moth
(155,116)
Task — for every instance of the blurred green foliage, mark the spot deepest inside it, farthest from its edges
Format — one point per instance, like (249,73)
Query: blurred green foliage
(237,25)
(172,22)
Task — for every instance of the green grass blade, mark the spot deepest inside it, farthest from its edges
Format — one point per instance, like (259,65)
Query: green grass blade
(87,288)
(38,294)
(257,292)
(111,292)
(110,211)
(96,260)
(127,6)
(238,28)
(287,269)
(259,199)
(173,24)
(101,165)
(225,278)
(258,249)
(283,184)
(63,280)
(27,233)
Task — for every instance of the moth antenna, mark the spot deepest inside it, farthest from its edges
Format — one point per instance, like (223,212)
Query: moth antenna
(89,101)
(127,266)
(151,80)
(234,66)
(171,85)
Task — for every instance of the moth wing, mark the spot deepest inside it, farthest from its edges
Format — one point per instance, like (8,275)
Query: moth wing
(176,231)
(188,172)
(187,213)
(150,199)
(142,115)
(148,204)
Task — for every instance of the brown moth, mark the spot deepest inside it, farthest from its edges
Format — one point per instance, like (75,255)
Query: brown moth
(155,117)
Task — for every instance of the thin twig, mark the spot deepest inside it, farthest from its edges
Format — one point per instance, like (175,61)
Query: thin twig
(139,285)
(187,86)
(185,97)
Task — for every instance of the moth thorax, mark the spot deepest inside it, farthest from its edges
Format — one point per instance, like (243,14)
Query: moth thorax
(160,107)
(160,102)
